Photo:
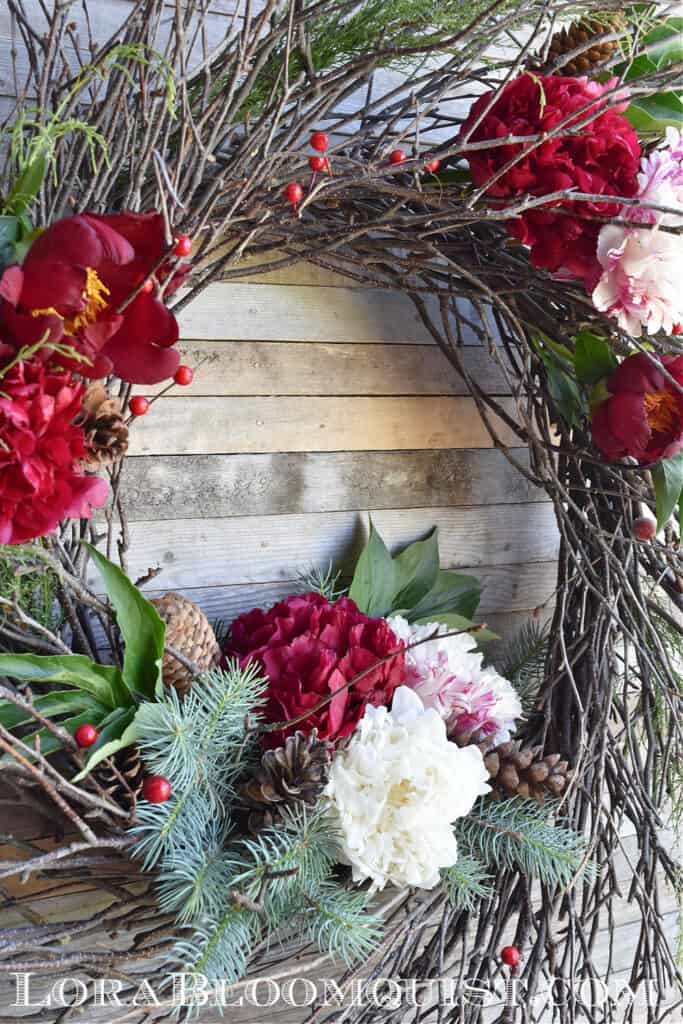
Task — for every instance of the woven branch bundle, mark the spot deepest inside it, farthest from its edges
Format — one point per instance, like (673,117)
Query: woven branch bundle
(606,704)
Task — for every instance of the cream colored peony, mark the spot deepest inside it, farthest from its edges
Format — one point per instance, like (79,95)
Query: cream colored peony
(397,788)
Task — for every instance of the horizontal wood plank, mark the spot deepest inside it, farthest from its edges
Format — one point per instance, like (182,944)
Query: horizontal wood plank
(276,368)
(255,549)
(230,312)
(182,487)
(266,424)
(506,588)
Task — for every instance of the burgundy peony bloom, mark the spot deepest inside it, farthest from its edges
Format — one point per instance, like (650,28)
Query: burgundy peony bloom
(643,417)
(309,648)
(600,158)
(75,280)
(41,477)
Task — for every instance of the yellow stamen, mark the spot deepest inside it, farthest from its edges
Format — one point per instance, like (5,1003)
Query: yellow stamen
(661,409)
(95,302)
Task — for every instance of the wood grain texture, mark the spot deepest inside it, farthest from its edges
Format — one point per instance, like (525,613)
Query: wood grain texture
(182,487)
(277,368)
(257,549)
(263,312)
(257,424)
(506,588)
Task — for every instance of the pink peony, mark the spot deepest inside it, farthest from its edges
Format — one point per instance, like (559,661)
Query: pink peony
(309,648)
(642,266)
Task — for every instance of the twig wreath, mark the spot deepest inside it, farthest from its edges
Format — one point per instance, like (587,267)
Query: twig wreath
(522,182)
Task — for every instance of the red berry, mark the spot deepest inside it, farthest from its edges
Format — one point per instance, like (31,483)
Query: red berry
(432,164)
(156,789)
(294,192)
(86,735)
(677,329)
(397,156)
(320,141)
(183,245)
(148,286)
(183,375)
(644,528)
(318,163)
(510,956)
(139,405)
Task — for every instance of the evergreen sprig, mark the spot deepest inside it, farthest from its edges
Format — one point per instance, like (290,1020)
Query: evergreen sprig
(523,660)
(467,882)
(521,834)
(339,922)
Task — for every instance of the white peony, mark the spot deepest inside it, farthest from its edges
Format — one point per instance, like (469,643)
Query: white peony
(395,791)
(448,674)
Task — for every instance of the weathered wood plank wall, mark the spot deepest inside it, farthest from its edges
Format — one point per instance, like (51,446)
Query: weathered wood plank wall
(315,403)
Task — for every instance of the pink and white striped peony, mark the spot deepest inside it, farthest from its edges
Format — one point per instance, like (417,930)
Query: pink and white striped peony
(448,674)
(642,265)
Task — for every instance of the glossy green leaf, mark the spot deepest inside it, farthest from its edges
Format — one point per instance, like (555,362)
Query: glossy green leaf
(417,568)
(593,358)
(564,391)
(655,113)
(48,743)
(668,480)
(9,233)
(27,186)
(374,581)
(50,705)
(103,682)
(117,731)
(142,629)
(452,594)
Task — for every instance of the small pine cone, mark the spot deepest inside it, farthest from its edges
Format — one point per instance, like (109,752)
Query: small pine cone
(106,434)
(580,33)
(295,773)
(122,778)
(190,632)
(524,771)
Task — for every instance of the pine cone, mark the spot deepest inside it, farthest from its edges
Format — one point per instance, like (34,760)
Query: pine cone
(190,632)
(122,779)
(106,433)
(524,771)
(295,773)
(578,34)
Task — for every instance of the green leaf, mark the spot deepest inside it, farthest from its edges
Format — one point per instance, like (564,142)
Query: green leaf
(27,185)
(655,113)
(668,480)
(9,233)
(642,65)
(416,568)
(117,731)
(142,630)
(452,594)
(457,622)
(593,358)
(564,391)
(50,705)
(103,682)
(374,581)
(49,743)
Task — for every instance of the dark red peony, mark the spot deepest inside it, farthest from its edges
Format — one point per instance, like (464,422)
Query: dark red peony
(308,649)
(41,476)
(601,158)
(643,415)
(75,282)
